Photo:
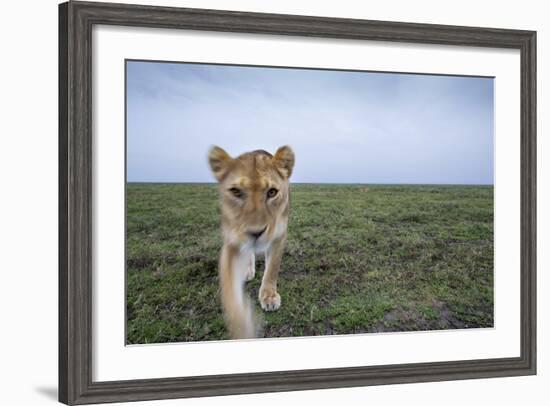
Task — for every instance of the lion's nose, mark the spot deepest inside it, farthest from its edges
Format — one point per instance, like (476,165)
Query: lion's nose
(256,233)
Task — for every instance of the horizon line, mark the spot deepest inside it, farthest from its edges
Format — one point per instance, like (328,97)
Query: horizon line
(323,183)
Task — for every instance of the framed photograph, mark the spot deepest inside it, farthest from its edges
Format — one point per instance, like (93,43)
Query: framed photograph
(258,202)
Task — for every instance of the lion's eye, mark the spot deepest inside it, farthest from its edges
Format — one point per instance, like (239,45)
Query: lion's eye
(237,192)
(272,192)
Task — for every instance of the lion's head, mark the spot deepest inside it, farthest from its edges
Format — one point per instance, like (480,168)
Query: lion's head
(254,192)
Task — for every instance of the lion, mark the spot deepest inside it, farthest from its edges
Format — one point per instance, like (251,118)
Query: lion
(255,203)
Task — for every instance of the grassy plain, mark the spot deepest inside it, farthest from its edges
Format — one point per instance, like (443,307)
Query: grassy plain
(359,259)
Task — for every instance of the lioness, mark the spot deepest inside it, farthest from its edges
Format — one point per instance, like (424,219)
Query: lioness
(254,196)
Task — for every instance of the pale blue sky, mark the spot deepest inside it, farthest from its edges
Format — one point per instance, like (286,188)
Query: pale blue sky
(344,127)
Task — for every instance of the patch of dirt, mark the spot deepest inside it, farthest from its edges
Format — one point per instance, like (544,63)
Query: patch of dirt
(140,262)
(446,316)
(413,320)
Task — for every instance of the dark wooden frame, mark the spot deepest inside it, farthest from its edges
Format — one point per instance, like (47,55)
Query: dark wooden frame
(76,20)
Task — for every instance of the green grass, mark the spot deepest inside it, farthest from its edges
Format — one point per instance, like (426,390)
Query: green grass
(359,259)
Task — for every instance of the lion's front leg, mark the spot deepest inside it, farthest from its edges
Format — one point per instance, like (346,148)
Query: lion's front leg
(236,306)
(270,299)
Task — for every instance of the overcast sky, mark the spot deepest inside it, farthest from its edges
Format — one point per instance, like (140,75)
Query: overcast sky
(344,127)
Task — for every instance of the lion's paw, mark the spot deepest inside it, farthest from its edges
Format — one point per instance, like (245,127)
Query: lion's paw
(270,301)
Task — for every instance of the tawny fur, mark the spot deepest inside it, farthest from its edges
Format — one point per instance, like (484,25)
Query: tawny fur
(255,203)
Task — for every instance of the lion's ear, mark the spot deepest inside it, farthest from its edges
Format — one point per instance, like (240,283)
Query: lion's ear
(219,161)
(284,160)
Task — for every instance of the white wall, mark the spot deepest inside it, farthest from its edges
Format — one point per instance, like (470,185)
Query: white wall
(28,202)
